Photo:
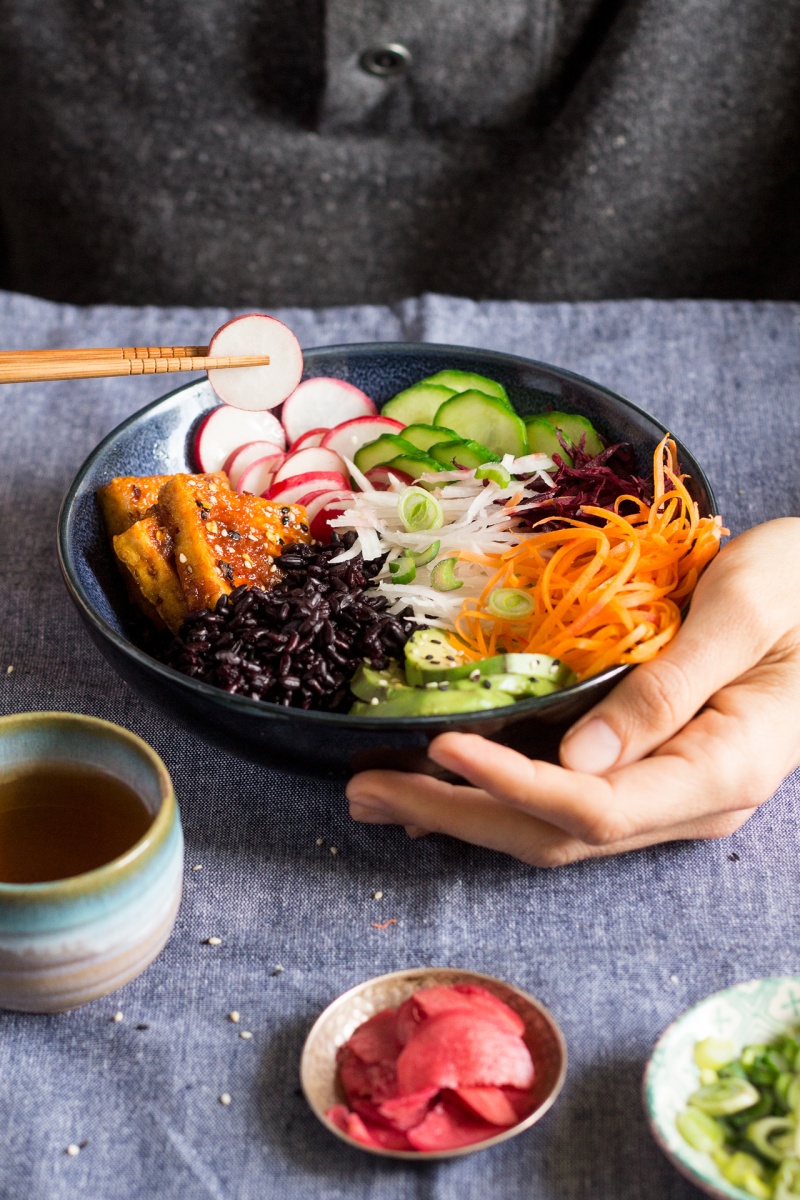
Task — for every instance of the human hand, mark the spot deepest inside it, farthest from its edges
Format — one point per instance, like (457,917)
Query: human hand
(686,746)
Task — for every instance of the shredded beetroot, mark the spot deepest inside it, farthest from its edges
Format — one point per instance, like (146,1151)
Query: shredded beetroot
(448,1068)
(596,482)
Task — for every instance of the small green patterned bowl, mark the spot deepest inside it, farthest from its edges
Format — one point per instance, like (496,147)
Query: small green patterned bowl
(756,1011)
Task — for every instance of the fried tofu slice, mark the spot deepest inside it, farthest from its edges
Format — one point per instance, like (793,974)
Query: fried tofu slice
(144,552)
(222,539)
(143,546)
(128,498)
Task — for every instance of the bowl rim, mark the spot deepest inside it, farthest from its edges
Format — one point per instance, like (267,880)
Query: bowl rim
(720,1189)
(460,1151)
(266,708)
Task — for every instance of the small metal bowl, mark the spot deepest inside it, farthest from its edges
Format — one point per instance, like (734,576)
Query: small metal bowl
(318,1073)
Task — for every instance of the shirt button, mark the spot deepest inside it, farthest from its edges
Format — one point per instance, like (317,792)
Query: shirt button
(391,59)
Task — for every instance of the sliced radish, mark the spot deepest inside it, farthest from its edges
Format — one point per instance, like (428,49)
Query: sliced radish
(225,429)
(291,491)
(315,501)
(259,476)
(312,437)
(314,458)
(350,436)
(256,388)
(244,456)
(383,480)
(323,403)
(319,524)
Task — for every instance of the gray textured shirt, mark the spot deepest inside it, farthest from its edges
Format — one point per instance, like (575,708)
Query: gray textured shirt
(237,152)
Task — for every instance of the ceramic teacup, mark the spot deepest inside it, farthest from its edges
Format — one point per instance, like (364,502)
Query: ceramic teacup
(68,941)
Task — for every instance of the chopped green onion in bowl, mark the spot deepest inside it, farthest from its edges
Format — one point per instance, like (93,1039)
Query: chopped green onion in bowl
(419,510)
(510,604)
(722,1091)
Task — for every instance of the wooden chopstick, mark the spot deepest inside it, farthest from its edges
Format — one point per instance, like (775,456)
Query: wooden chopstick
(113,352)
(36,366)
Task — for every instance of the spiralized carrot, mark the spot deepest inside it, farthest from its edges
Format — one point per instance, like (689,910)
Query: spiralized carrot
(602,594)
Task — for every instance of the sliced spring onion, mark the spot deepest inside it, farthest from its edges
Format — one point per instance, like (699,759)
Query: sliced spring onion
(711,1053)
(443,576)
(426,556)
(772,1137)
(724,1097)
(403,569)
(418,510)
(744,1171)
(787,1181)
(511,604)
(495,472)
(701,1131)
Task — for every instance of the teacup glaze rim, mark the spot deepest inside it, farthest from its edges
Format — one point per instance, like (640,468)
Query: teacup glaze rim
(110,873)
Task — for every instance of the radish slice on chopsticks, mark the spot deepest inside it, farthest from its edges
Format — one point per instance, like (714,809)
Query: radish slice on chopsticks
(256,388)
(322,402)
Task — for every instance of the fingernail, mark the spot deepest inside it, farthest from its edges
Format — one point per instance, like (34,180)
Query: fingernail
(592,748)
(367,808)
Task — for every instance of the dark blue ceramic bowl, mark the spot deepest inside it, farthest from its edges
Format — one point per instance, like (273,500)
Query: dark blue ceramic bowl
(157,441)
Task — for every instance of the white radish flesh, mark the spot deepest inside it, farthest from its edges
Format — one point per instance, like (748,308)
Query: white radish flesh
(291,491)
(350,436)
(225,429)
(244,456)
(259,476)
(315,458)
(256,388)
(312,437)
(323,403)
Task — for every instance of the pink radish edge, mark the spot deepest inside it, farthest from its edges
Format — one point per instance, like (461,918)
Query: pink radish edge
(350,436)
(244,456)
(313,458)
(323,401)
(259,476)
(226,429)
(292,490)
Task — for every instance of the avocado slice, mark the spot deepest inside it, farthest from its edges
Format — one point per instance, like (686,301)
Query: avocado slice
(431,656)
(438,700)
(368,683)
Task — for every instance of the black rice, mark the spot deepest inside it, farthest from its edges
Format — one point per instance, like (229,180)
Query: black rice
(299,644)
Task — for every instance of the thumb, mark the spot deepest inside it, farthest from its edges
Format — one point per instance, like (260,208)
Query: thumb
(721,639)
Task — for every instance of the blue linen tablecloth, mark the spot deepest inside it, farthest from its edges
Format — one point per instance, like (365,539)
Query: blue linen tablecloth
(616,948)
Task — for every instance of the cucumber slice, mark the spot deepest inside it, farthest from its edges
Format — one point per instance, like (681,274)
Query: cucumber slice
(382,450)
(485,419)
(462,453)
(575,427)
(466,381)
(414,465)
(543,439)
(425,436)
(417,404)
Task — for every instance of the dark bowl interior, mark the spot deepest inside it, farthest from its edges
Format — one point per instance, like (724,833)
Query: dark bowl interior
(157,441)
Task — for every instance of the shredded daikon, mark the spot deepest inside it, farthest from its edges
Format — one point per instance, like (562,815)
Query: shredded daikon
(477,518)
